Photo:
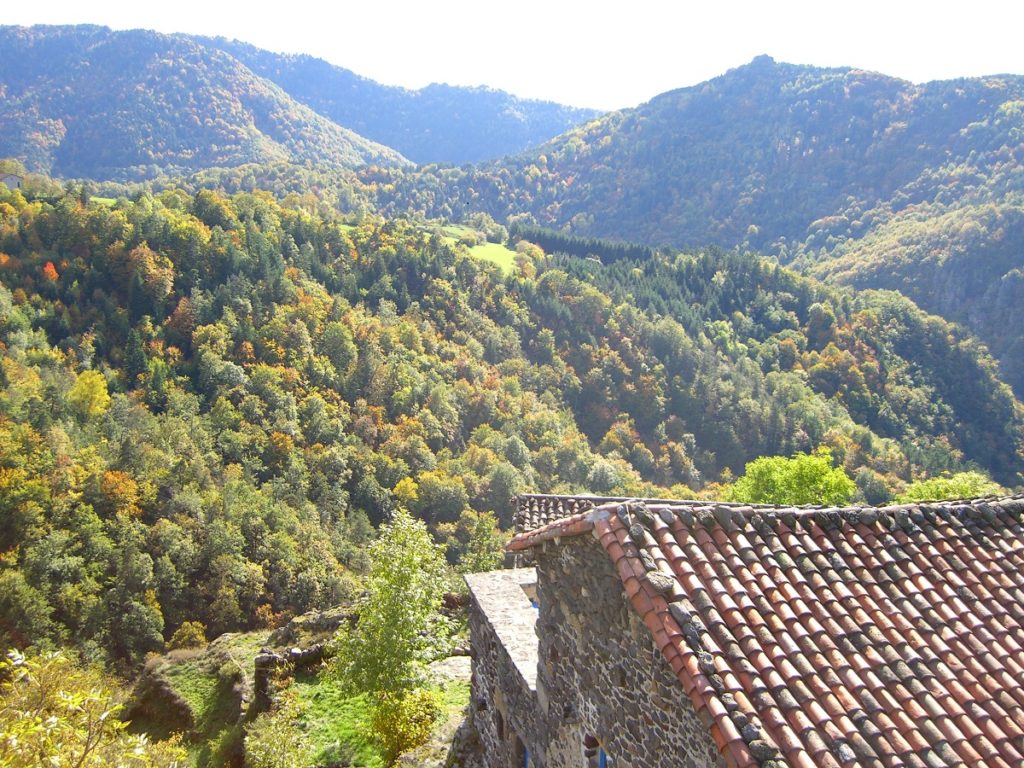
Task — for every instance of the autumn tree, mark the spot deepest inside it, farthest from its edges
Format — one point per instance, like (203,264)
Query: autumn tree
(89,396)
(803,479)
(54,712)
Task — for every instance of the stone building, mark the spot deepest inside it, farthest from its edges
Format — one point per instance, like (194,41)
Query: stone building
(11,180)
(663,633)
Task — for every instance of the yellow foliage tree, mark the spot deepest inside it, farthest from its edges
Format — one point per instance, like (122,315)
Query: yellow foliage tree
(55,713)
(89,396)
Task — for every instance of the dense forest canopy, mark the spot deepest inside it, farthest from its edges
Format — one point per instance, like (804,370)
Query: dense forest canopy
(209,401)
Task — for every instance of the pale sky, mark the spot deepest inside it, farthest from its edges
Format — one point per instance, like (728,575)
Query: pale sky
(593,54)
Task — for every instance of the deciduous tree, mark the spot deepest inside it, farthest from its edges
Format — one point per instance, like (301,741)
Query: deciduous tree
(53,712)
(802,479)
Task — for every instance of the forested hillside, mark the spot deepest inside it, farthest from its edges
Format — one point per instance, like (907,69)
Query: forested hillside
(436,124)
(88,102)
(750,158)
(853,176)
(207,402)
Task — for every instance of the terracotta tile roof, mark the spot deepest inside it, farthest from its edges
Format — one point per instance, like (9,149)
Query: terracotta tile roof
(832,637)
(535,510)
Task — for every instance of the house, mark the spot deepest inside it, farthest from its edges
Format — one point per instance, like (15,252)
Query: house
(12,180)
(682,633)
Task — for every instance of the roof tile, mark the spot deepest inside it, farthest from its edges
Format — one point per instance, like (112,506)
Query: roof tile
(833,637)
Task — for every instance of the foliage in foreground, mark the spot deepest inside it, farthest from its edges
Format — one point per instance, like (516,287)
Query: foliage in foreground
(961,485)
(399,629)
(404,720)
(802,479)
(55,713)
(274,740)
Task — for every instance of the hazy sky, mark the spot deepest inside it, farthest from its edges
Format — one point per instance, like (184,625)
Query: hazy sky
(604,55)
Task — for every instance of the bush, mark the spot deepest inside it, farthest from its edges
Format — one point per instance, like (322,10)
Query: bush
(403,721)
(276,740)
(191,634)
(803,479)
(57,713)
(962,485)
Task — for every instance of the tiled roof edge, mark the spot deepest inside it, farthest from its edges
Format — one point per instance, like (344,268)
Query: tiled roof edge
(733,515)
(567,526)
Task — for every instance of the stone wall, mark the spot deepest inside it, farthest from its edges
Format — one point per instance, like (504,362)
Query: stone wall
(587,677)
(503,704)
(602,683)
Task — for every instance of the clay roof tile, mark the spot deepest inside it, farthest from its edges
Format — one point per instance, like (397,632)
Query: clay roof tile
(859,636)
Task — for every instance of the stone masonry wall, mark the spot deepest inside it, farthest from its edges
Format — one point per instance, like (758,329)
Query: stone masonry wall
(503,706)
(601,680)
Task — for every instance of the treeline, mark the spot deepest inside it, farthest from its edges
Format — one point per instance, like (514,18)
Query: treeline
(208,402)
(552,241)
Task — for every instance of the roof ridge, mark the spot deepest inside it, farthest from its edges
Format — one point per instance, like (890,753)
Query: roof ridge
(731,516)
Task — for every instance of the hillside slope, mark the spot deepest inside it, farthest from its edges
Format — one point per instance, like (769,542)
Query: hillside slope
(851,175)
(751,158)
(436,124)
(88,102)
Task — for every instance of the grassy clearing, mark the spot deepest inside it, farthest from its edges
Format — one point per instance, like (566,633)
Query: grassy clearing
(107,201)
(495,253)
(455,231)
(242,648)
(338,726)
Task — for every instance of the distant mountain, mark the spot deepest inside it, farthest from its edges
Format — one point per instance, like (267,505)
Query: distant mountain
(436,124)
(851,175)
(85,101)
(751,158)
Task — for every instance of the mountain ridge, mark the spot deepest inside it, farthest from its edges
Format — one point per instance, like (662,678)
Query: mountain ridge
(438,123)
(122,104)
(88,101)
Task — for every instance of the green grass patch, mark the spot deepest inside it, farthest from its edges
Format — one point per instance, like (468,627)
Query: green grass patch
(455,697)
(107,201)
(242,648)
(198,685)
(338,726)
(214,709)
(455,231)
(495,253)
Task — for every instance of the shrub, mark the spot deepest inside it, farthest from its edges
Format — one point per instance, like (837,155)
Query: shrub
(191,634)
(402,721)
